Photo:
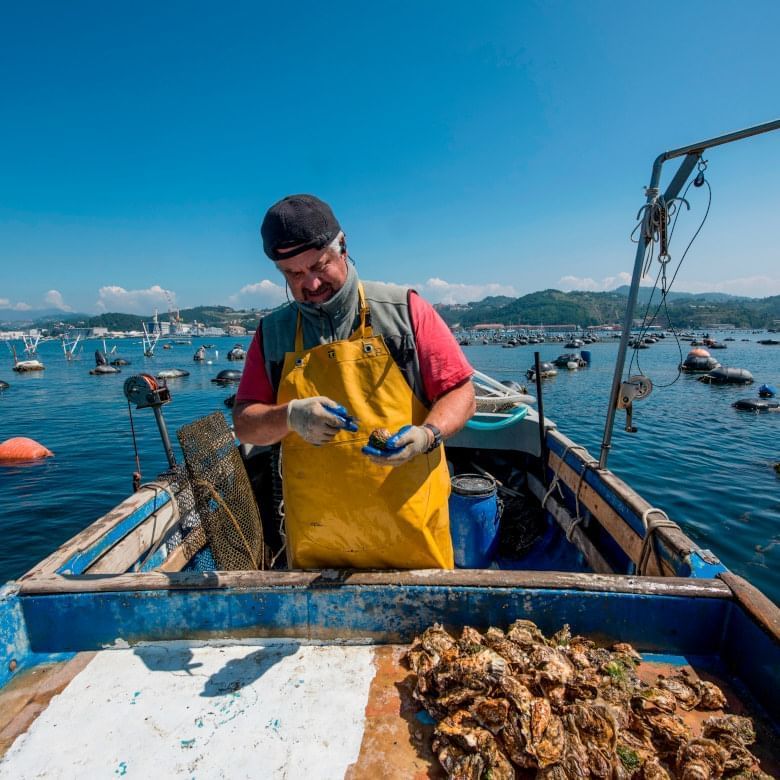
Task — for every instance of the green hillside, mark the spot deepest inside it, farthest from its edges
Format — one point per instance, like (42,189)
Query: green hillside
(589,308)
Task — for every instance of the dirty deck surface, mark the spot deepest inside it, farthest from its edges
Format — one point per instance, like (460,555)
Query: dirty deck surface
(251,709)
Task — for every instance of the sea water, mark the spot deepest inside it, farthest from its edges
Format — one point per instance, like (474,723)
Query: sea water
(709,466)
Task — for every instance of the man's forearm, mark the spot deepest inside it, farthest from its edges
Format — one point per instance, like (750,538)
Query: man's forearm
(257,423)
(451,411)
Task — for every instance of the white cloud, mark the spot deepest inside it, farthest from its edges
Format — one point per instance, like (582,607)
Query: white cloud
(115,298)
(751,286)
(54,298)
(588,284)
(437,290)
(260,295)
(5,303)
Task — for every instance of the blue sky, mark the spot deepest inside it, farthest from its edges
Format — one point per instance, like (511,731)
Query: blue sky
(467,149)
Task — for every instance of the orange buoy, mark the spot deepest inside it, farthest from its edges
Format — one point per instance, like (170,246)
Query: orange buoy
(699,352)
(21,448)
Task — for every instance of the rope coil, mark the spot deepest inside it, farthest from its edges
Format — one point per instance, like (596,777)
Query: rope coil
(588,463)
(651,525)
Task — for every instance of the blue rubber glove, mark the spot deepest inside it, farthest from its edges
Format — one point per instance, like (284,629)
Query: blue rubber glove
(316,419)
(410,441)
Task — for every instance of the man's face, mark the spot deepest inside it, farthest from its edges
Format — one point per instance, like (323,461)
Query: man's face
(316,275)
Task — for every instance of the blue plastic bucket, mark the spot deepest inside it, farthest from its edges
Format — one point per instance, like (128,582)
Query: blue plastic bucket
(585,355)
(474,517)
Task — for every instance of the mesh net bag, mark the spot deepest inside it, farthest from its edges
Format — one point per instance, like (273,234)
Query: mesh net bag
(222,494)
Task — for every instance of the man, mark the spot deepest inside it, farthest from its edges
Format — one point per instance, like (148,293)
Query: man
(388,360)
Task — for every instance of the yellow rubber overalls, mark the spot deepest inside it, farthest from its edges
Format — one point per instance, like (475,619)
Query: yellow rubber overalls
(342,510)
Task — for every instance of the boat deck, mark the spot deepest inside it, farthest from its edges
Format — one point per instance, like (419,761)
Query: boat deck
(266,708)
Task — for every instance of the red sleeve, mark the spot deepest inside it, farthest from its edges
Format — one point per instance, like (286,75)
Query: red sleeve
(255,386)
(442,363)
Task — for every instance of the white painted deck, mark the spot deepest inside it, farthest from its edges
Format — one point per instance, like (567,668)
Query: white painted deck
(270,708)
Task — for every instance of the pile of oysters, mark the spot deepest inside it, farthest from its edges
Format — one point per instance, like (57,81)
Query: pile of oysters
(515,704)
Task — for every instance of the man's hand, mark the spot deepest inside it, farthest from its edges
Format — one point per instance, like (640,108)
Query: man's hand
(413,441)
(312,421)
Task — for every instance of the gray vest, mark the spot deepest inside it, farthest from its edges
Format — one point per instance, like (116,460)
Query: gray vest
(390,318)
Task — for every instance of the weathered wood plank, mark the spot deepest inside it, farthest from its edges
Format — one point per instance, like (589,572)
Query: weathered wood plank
(594,558)
(92,533)
(27,695)
(602,512)
(765,612)
(330,578)
(119,558)
(183,554)
(675,540)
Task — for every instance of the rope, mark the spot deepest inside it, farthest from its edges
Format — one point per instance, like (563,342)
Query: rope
(651,526)
(137,472)
(282,527)
(587,464)
(216,496)
(171,523)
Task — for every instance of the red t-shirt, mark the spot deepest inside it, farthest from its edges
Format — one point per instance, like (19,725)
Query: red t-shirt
(442,363)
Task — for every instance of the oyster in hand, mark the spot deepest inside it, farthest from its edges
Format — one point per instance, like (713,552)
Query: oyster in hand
(378,438)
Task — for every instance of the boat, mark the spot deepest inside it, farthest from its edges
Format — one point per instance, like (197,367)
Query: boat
(727,376)
(135,647)
(564,361)
(23,366)
(546,371)
(698,361)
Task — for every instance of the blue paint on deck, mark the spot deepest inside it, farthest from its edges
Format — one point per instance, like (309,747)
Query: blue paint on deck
(752,655)
(82,560)
(72,622)
(699,567)
(187,743)
(16,654)
(664,658)
(121,770)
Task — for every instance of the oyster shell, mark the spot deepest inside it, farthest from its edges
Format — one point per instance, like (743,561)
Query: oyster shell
(701,759)
(687,692)
(378,438)
(459,735)
(736,726)
(565,708)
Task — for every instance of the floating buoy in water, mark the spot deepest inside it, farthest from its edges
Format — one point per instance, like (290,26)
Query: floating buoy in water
(4,385)
(756,405)
(172,373)
(21,448)
(728,376)
(227,376)
(699,360)
(104,369)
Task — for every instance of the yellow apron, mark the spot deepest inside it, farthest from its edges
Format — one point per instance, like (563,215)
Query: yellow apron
(342,510)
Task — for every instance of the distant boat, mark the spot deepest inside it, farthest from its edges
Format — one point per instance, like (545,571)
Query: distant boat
(22,366)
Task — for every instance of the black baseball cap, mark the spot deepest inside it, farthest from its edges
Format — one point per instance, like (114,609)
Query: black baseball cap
(300,221)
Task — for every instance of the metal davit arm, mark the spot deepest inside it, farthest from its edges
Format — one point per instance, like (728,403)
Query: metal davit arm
(692,153)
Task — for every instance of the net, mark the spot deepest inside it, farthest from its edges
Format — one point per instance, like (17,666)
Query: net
(222,494)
